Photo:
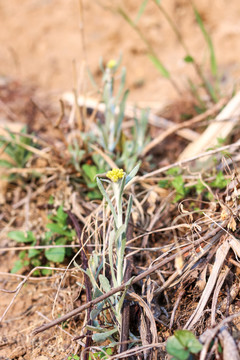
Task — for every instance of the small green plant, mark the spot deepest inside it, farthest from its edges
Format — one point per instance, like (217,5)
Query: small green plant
(182,191)
(182,345)
(104,354)
(17,147)
(59,234)
(177,183)
(113,258)
(89,173)
(125,152)
(76,155)
(73,357)
(124,149)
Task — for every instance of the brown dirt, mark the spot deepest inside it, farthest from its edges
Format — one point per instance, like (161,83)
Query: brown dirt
(39,41)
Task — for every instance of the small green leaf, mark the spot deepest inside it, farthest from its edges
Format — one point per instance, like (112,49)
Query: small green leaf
(175,348)
(101,188)
(141,10)
(56,228)
(55,254)
(18,265)
(20,236)
(90,171)
(22,254)
(61,215)
(33,252)
(104,283)
(178,184)
(200,187)
(173,171)
(188,340)
(220,182)
(95,312)
(188,59)
(132,173)
(6,164)
(163,184)
(46,271)
(99,337)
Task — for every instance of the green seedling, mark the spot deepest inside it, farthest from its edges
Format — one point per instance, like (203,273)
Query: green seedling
(76,155)
(73,357)
(89,173)
(17,147)
(104,354)
(58,233)
(182,345)
(182,191)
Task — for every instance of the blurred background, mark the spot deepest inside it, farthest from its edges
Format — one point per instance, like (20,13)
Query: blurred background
(41,39)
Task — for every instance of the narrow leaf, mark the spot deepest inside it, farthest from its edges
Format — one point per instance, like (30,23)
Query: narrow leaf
(104,283)
(101,188)
(132,173)
(159,66)
(99,337)
(208,40)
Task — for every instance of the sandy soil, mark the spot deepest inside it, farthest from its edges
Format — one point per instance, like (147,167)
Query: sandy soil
(40,40)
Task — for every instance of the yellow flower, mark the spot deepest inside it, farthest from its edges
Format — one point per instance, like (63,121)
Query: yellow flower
(115,174)
(111,64)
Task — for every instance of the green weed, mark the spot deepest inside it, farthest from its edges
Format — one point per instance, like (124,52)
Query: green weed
(183,190)
(58,233)
(17,147)
(182,344)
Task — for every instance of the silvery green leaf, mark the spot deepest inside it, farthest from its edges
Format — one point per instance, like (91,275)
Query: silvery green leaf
(97,292)
(120,117)
(119,232)
(122,84)
(128,213)
(79,267)
(107,181)
(81,285)
(122,185)
(122,249)
(101,188)
(95,312)
(91,277)
(110,250)
(99,337)
(134,171)
(120,303)
(104,283)
(95,328)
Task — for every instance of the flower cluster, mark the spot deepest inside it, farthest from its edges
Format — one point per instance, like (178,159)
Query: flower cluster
(115,174)
(111,64)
